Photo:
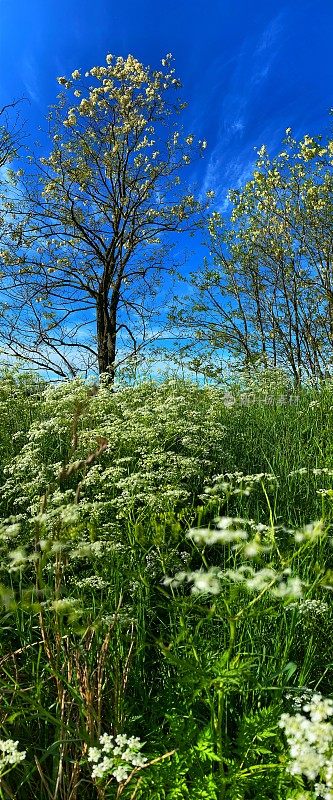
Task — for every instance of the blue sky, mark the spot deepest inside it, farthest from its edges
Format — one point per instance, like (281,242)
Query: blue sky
(249,69)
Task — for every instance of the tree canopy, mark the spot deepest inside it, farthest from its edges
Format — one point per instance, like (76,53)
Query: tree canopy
(265,293)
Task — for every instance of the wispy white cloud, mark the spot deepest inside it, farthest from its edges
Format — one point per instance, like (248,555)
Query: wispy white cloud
(242,125)
(29,75)
(271,33)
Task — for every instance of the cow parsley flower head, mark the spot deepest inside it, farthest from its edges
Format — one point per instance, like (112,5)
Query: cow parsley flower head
(310,740)
(224,533)
(92,582)
(9,754)
(203,581)
(117,756)
(312,608)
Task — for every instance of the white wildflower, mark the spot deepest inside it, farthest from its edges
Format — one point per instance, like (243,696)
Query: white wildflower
(292,587)
(310,740)
(116,756)
(92,582)
(120,774)
(222,534)
(203,582)
(93,754)
(64,605)
(106,741)
(9,754)
(252,549)
(310,532)
(312,608)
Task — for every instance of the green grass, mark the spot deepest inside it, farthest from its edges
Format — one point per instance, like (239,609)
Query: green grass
(99,491)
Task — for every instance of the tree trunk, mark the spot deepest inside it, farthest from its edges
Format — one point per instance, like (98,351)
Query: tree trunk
(106,336)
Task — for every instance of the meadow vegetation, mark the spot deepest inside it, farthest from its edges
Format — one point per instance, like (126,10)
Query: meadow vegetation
(166,590)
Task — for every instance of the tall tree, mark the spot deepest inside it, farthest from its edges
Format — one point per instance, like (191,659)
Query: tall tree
(90,240)
(266,291)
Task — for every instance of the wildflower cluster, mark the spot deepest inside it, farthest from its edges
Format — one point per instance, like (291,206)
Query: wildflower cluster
(310,739)
(10,755)
(247,540)
(117,757)
(237,483)
(162,442)
(92,582)
(280,585)
(312,608)
(202,581)
(299,696)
